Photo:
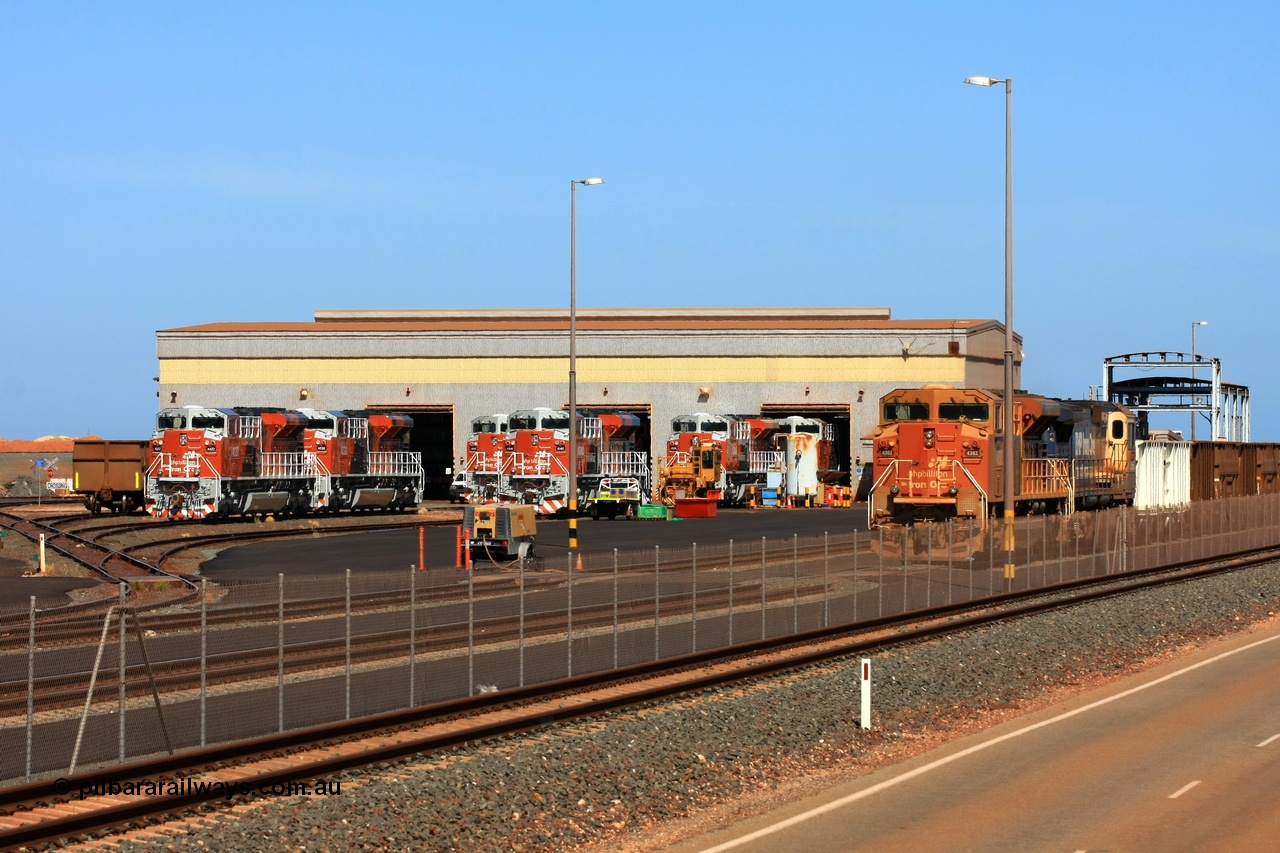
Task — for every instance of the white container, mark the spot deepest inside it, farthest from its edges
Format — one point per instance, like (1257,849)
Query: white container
(1163,474)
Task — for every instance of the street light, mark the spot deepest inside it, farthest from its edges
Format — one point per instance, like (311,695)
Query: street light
(573,354)
(1011,479)
(1193,374)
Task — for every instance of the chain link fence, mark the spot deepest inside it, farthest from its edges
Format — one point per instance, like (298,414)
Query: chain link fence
(80,690)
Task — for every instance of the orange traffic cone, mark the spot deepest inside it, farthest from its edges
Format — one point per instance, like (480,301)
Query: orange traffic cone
(578,567)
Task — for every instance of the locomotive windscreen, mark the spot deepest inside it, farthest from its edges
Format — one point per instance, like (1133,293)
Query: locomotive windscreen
(964,412)
(906,411)
(207,422)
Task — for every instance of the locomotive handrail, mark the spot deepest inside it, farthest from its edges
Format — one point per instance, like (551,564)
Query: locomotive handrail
(762,461)
(624,463)
(1046,476)
(590,428)
(283,465)
(248,426)
(397,463)
(487,463)
(542,465)
(982,493)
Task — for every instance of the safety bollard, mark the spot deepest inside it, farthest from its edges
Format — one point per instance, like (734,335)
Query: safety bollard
(457,548)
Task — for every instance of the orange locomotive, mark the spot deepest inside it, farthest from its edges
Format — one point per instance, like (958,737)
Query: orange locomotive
(937,455)
(209,462)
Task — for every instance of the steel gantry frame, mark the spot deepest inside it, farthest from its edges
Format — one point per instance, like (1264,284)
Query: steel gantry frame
(1226,404)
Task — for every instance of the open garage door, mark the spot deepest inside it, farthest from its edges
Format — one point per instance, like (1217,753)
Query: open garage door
(432,440)
(840,418)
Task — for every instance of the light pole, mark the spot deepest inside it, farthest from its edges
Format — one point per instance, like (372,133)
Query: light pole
(573,354)
(1193,374)
(1011,478)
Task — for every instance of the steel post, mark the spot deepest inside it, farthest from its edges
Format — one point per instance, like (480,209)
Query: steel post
(204,660)
(31,683)
(280,658)
(413,634)
(347,647)
(122,687)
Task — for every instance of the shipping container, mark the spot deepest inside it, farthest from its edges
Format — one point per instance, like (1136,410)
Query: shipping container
(110,474)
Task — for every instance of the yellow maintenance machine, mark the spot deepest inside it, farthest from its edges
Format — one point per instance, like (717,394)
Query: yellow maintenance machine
(502,530)
(696,474)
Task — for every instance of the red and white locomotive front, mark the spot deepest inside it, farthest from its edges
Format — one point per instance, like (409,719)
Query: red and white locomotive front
(536,457)
(193,449)
(485,464)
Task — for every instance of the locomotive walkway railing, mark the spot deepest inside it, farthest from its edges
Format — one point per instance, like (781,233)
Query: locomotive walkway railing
(764,461)
(624,464)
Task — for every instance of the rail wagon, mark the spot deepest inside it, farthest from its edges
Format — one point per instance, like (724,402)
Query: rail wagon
(1172,473)
(110,474)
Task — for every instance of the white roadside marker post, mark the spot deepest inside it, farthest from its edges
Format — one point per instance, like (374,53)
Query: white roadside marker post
(865,717)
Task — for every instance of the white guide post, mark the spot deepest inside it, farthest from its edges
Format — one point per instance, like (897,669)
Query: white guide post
(865,716)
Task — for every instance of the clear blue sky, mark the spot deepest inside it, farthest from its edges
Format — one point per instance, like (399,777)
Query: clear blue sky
(170,164)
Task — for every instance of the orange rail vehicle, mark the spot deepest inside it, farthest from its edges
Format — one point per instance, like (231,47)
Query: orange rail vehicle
(938,455)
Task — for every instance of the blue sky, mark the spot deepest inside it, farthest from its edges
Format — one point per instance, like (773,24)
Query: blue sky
(168,164)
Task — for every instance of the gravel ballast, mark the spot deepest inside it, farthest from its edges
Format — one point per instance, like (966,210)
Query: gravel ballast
(615,782)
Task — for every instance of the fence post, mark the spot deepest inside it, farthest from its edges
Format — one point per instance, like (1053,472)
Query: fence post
(204,658)
(413,634)
(693,621)
(520,629)
(795,583)
(855,576)
(950,540)
(280,659)
(122,687)
(657,590)
(928,564)
(471,632)
(763,602)
(615,608)
(347,665)
(31,683)
(826,553)
(568,634)
(880,577)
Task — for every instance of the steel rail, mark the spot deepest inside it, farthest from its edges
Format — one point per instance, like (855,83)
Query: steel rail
(53,535)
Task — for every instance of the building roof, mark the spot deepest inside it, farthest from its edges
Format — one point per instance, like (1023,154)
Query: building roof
(603,319)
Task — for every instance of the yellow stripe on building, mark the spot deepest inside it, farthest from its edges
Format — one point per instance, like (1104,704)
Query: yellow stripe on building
(492,371)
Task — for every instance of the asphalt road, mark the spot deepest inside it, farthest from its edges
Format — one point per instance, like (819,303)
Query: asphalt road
(1185,757)
(397,549)
(16,591)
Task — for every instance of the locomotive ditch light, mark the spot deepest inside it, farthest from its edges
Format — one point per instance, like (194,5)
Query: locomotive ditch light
(953,491)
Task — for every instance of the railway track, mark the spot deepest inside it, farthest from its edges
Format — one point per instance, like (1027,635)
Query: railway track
(107,563)
(48,810)
(68,689)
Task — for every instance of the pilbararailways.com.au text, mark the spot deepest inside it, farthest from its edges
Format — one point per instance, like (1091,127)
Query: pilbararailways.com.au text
(105,786)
